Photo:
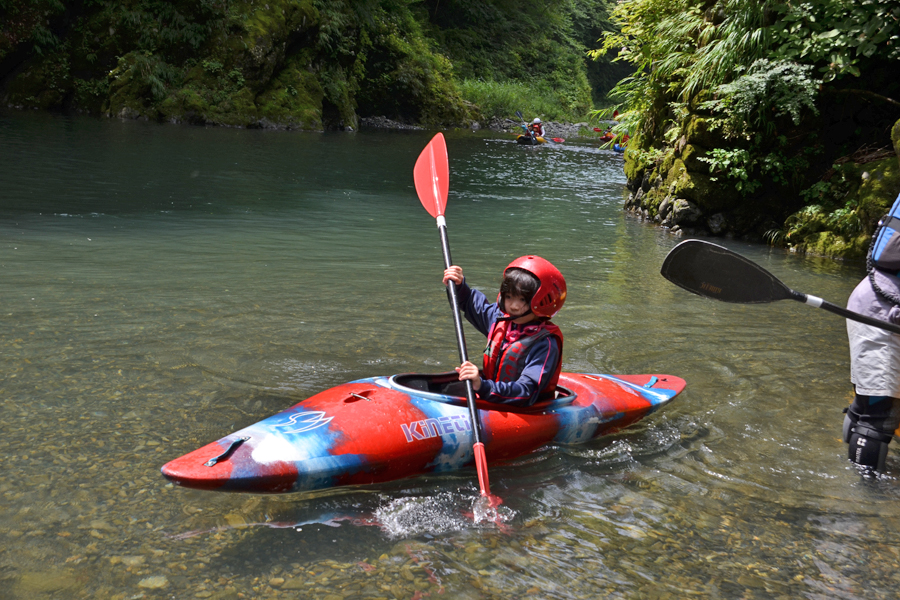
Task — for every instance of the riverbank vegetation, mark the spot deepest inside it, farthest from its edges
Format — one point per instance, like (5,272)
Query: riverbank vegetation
(767,120)
(305,64)
(761,120)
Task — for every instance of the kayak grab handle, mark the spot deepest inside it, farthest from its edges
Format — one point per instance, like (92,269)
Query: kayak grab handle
(652,382)
(228,452)
(354,397)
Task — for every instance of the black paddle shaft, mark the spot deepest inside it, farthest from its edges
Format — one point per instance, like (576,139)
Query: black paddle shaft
(715,272)
(460,337)
(849,314)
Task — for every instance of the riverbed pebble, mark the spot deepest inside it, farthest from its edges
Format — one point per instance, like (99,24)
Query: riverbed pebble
(153,583)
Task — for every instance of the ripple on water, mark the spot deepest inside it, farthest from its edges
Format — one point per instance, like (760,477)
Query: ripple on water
(206,279)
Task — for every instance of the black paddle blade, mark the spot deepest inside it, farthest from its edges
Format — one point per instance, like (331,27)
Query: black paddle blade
(716,272)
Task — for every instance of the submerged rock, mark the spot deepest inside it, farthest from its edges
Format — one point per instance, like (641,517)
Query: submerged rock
(154,583)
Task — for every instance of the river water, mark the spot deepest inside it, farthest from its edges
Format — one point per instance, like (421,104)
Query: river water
(162,286)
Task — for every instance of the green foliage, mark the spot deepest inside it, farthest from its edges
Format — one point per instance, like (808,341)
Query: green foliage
(644,27)
(405,78)
(768,90)
(808,219)
(814,218)
(44,40)
(679,48)
(738,165)
(504,98)
(642,158)
(831,194)
(764,159)
(27,22)
(174,29)
(844,207)
(836,35)
(213,67)
(589,20)
(537,43)
(43,85)
(295,97)
(725,49)
(153,73)
(336,27)
(399,58)
(756,75)
(90,93)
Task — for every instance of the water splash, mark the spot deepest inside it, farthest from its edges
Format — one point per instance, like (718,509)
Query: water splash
(487,509)
(441,513)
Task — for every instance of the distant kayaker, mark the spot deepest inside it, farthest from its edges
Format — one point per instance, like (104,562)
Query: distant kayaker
(523,357)
(874,414)
(537,128)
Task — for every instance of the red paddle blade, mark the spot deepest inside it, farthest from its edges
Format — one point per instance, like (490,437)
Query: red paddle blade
(486,506)
(432,176)
(483,483)
(558,140)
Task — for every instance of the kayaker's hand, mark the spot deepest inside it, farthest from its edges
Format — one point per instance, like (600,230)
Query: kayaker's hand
(469,371)
(453,274)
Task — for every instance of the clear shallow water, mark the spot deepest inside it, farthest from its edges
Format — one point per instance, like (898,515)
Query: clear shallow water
(162,286)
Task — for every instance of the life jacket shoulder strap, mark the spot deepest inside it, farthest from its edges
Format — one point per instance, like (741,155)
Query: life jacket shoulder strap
(884,252)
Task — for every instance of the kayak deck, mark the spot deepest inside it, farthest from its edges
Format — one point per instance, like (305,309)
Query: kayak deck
(446,387)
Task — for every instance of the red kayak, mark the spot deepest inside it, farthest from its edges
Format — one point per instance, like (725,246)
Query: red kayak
(386,428)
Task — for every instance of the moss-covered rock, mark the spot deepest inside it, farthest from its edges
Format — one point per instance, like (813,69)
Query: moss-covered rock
(705,191)
(43,85)
(691,156)
(665,166)
(867,191)
(699,130)
(895,139)
(653,198)
(880,185)
(685,212)
(294,99)
(830,243)
(127,90)
(634,168)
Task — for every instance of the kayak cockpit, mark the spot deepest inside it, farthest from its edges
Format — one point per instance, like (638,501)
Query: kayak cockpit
(447,388)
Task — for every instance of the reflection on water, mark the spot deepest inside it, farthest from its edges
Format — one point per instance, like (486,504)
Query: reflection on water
(163,286)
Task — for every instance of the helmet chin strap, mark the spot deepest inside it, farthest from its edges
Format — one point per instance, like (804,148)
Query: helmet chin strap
(511,318)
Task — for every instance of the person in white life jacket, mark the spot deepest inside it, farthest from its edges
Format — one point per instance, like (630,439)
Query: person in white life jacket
(523,357)
(537,128)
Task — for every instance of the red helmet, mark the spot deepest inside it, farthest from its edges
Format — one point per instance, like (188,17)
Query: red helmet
(551,294)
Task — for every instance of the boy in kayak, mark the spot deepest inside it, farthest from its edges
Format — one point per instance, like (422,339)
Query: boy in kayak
(523,357)
(537,128)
